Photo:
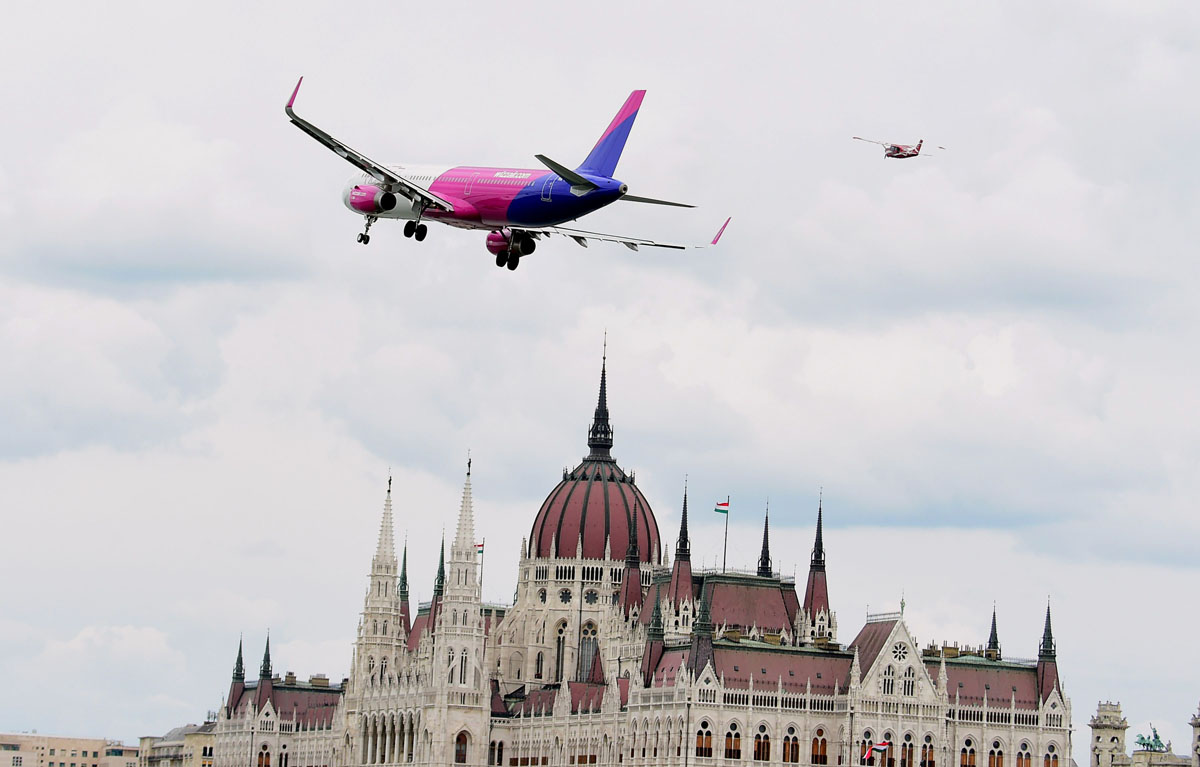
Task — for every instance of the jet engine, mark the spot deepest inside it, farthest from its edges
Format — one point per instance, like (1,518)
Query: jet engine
(520,243)
(369,199)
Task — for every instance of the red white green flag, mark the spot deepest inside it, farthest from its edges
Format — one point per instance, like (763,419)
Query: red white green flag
(722,507)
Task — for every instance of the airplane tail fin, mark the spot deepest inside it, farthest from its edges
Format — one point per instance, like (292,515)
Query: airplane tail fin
(604,156)
(922,141)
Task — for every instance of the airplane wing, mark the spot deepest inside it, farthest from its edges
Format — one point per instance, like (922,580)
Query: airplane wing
(582,236)
(871,141)
(388,178)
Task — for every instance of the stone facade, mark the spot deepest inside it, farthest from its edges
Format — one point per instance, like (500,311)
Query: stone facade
(1108,743)
(191,745)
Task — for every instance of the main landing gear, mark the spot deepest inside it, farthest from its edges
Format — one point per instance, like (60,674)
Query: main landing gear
(509,259)
(414,229)
(365,238)
(510,246)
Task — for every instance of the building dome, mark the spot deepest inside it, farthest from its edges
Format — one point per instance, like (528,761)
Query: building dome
(595,505)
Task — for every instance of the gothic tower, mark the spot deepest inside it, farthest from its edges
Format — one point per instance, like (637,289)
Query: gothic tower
(381,628)
(817,622)
(460,627)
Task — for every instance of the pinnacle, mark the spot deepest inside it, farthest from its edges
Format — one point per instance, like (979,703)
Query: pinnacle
(385,551)
(464,536)
(764,559)
(683,545)
(600,434)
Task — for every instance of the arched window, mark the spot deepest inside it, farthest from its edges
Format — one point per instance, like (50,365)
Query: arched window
(560,647)
(460,748)
(500,752)
(866,754)
(889,755)
(264,757)
(492,752)
(462,667)
(537,669)
(820,753)
(889,681)
(906,749)
(382,668)
(704,739)
(587,649)
(927,758)
(450,663)
(910,682)
(375,627)
(995,755)
(1023,756)
(733,742)
(762,744)
(1051,758)
(966,757)
(385,628)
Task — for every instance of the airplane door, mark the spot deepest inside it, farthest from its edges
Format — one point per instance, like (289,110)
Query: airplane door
(548,187)
(470,183)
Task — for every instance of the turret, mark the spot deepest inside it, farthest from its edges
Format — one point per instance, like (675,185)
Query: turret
(680,588)
(600,435)
(701,652)
(654,643)
(265,687)
(1108,735)
(993,644)
(238,685)
(631,583)
(819,621)
(402,592)
(1047,666)
(764,558)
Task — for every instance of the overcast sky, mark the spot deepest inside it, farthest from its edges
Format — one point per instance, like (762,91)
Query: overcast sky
(987,359)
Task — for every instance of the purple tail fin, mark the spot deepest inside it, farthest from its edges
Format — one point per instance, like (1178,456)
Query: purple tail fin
(604,156)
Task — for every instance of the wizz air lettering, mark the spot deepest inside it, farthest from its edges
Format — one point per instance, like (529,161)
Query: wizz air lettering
(516,206)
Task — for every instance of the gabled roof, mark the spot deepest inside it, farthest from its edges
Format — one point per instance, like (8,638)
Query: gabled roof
(767,664)
(744,601)
(672,662)
(586,696)
(995,679)
(870,641)
(301,703)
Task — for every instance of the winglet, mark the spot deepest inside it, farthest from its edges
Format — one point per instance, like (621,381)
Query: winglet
(292,100)
(721,231)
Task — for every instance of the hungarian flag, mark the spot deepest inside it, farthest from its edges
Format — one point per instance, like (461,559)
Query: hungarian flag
(722,507)
(479,548)
(881,748)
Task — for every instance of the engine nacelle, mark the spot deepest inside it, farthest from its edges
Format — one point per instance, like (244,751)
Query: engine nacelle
(369,199)
(507,239)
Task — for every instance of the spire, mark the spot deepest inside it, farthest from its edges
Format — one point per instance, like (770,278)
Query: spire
(239,670)
(764,559)
(632,557)
(683,547)
(386,549)
(818,552)
(1046,651)
(464,536)
(703,623)
(702,637)
(993,638)
(439,583)
(631,584)
(600,435)
(265,671)
(656,620)
(404,574)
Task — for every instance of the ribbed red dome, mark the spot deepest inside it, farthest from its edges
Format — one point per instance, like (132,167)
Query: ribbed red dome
(595,502)
(599,499)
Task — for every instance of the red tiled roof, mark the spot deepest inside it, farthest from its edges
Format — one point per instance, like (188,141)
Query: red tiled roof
(870,641)
(791,602)
(310,706)
(498,707)
(996,679)
(767,665)
(816,592)
(414,636)
(746,601)
(669,666)
(585,696)
(623,686)
(536,702)
(597,498)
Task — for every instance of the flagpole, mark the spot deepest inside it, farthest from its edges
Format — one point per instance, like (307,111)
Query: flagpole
(725,547)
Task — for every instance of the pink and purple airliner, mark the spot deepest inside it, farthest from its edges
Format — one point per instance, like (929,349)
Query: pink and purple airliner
(515,206)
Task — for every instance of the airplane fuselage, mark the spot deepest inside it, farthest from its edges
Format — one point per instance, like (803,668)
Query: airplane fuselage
(485,198)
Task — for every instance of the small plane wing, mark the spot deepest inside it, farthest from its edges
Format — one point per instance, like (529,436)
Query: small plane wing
(872,141)
(633,243)
(387,177)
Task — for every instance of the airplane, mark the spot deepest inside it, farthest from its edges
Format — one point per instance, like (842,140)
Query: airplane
(897,151)
(516,206)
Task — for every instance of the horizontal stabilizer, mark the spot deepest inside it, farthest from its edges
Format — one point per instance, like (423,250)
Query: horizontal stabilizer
(579,185)
(652,201)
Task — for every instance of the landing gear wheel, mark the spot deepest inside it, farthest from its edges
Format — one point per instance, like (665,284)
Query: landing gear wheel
(527,245)
(360,236)
(502,258)
(513,262)
(410,228)
(365,239)
(420,232)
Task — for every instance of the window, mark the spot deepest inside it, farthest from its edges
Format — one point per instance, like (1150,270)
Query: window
(264,757)
(906,750)
(995,755)
(560,645)
(733,742)
(537,669)
(889,681)
(927,758)
(966,757)
(16,761)
(564,596)
(910,682)
(704,740)
(866,755)
(588,649)
(1051,758)
(762,745)
(1023,756)
(492,752)
(462,667)
(820,749)
(460,748)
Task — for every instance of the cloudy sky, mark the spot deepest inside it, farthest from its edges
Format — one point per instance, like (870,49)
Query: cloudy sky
(987,359)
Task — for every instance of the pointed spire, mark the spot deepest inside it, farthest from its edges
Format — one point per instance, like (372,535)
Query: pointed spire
(683,547)
(600,436)
(656,620)
(264,672)
(439,583)
(994,639)
(818,552)
(386,549)
(1046,651)
(632,557)
(703,622)
(464,536)
(239,670)
(764,559)
(404,573)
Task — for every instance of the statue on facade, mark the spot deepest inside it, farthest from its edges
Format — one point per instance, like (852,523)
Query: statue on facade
(1153,743)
